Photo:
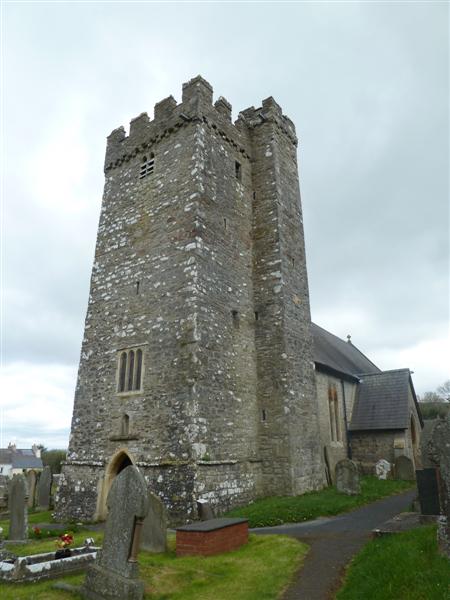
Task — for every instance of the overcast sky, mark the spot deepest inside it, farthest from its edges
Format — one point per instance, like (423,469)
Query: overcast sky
(367,87)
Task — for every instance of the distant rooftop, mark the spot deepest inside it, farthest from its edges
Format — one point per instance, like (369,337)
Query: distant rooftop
(20,458)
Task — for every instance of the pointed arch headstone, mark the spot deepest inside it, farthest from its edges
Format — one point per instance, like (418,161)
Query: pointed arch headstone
(114,574)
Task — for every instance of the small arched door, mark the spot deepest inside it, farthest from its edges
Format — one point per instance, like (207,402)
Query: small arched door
(119,461)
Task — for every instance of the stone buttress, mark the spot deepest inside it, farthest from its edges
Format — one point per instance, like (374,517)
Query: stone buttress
(200,268)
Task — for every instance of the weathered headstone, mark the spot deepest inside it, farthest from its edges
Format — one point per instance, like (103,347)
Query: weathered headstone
(154,528)
(18,508)
(383,469)
(114,575)
(425,438)
(31,484)
(43,488)
(205,512)
(4,484)
(428,489)
(438,449)
(404,469)
(347,477)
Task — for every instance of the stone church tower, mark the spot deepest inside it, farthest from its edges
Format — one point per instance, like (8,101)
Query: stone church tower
(196,363)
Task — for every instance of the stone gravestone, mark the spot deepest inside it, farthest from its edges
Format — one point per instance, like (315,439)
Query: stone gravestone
(438,449)
(43,489)
(114,575)
(31,484)
(205,512)
(18,508)
(383,469)
(347,477)
(425,438)
(154,528)
(428,489)
(404,469)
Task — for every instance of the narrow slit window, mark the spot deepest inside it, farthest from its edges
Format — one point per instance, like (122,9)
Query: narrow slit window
(147,166)
(125,425)
(333,405)
(256,315)
(225,224)
(122,371)
(137,382)
(138,285)
(238,170)
(235,315)
(263,415)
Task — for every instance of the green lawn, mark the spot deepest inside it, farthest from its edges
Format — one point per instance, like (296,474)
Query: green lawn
(295,509)
(258,571)
(404,566)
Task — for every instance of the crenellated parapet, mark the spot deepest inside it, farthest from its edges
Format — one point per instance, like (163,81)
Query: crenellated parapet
(196,106)
(270,111)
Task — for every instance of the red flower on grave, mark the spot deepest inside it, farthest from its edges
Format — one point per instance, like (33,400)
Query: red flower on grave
(64,540)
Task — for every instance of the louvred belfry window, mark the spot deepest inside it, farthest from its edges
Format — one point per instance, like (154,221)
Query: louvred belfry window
(147,166)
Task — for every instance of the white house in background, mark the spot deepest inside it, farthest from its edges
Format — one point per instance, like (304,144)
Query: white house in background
(19,460)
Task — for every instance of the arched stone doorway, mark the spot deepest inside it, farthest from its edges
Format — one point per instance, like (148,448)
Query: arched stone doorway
(119,461)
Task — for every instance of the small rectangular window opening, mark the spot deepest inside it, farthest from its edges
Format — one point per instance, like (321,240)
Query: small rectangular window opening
(235,315)
(238,170)
(256,315)
(293,261)
(263,415)
(147,166)
(138,283)
(225,224)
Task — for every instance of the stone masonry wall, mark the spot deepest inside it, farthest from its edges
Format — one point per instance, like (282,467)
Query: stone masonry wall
(289,433)
(201,265)
(336,449)
(370,446)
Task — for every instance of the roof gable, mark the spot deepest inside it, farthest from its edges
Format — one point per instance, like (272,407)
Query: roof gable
(330,351)
(382,401)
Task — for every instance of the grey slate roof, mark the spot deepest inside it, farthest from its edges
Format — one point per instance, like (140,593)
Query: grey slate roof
(330,351)
(382,401)
(20,458)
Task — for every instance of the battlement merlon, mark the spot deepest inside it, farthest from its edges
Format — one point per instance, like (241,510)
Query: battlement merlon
(196,106)
(270,111)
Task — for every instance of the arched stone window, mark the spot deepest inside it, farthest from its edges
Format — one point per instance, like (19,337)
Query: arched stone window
(125,425)
(122,371)
(130,370)
(333,405)
(137,380)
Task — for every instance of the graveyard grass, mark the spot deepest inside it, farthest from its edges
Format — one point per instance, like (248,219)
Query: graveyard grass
(276,510)
(259,570)
(404,565)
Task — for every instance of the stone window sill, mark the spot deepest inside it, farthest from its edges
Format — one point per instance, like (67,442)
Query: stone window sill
(131,393)
(123,438)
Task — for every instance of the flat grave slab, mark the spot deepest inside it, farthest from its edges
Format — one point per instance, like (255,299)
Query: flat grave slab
(206,538)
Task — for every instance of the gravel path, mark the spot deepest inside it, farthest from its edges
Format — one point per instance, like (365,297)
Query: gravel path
(333,542)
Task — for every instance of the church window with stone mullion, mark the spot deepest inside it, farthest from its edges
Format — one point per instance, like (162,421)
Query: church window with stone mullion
(130,371)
